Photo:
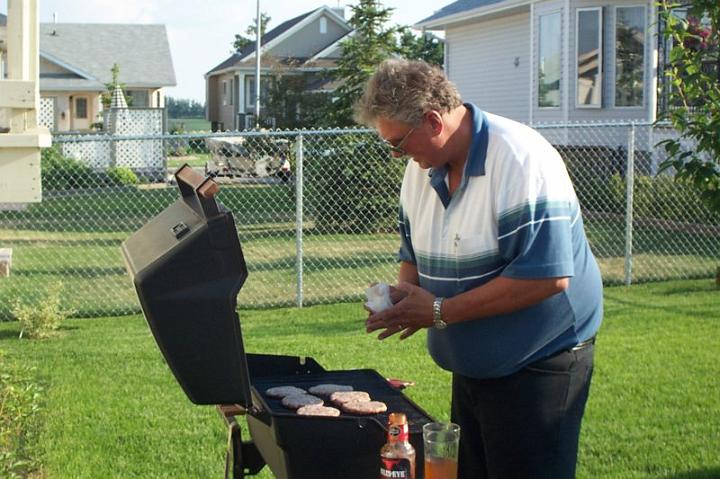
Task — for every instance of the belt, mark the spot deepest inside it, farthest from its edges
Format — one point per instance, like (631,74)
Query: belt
(584,344)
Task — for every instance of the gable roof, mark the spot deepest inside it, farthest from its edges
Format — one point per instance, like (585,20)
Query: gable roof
(463,10)
(273,36)
(90,50)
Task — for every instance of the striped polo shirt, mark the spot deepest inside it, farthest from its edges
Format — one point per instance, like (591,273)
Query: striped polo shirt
(515,214)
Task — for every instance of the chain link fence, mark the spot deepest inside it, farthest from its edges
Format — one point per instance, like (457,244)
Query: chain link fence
(317,210)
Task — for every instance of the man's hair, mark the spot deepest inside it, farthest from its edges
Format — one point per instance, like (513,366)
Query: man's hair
(403,90)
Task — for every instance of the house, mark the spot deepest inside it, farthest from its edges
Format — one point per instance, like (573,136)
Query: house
(555,61)
(76,62)
(306,45)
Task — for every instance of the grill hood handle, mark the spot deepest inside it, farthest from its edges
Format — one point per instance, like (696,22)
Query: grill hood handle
(198,191)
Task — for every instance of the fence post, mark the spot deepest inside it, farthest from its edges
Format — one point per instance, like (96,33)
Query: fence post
(299,219)
(629,178)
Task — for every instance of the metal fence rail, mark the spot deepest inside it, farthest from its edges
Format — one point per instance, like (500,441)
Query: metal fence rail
(316,211)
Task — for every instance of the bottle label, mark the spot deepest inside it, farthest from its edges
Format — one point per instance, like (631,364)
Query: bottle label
(398,432)
(395,468)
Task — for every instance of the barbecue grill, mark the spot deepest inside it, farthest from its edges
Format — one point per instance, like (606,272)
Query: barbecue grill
(187,266)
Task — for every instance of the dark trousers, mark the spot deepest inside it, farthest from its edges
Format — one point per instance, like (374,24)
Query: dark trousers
(525,425)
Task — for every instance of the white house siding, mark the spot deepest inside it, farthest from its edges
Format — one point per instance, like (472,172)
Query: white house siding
(481,62)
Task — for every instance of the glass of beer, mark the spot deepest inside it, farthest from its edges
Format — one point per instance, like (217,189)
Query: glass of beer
(440,440)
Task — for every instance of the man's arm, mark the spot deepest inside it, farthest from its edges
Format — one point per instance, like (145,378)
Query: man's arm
(408,273)
(499,296)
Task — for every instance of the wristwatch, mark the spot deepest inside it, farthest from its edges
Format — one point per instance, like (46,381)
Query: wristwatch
(438,322)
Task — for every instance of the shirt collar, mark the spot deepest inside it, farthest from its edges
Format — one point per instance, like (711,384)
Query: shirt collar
(475,162)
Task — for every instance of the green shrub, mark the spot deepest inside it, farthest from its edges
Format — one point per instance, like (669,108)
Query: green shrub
(347,188)
(41,318)
(19,405)
(662,198)
(62,173)
(122,176)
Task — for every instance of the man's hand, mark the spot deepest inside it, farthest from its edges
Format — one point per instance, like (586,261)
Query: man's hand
(412,311)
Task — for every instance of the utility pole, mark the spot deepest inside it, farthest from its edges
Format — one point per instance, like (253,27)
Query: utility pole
(258,35)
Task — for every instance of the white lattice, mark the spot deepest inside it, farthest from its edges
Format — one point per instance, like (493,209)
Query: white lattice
(46,115)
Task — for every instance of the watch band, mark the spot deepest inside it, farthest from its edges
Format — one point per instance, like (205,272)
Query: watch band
(438,322)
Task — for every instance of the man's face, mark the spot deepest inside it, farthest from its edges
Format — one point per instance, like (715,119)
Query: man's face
(406,140)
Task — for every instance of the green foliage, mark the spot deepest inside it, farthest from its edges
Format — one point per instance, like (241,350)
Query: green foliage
(242,41)
(347,187)
(122,176)
(184,108)
(426,47)
(694,71)
(368,47)
(62,173)
(661,198)
(293,106)
(41,318)
(19,405)
(106,96)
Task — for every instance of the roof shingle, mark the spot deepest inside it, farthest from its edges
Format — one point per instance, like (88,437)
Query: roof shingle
(141,51)
(458,7)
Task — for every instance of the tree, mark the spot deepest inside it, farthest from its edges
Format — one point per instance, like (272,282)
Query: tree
(292,105)
(184,108)
(106,97)
(241,41)
(426,46)
(371,43)
(694,72)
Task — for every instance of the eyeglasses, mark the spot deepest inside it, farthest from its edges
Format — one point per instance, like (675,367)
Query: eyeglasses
(399,147)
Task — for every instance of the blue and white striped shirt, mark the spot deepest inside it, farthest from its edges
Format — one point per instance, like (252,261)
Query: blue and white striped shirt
(515,214)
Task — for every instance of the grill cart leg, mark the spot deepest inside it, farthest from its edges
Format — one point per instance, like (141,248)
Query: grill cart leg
(241,458)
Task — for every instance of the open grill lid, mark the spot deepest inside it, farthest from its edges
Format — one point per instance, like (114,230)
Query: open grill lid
(187,266)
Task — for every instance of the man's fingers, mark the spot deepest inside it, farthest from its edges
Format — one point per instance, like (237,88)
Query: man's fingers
(389,332)
(408,332)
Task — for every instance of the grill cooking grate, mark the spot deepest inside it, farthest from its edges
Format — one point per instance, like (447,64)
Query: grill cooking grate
(367,380)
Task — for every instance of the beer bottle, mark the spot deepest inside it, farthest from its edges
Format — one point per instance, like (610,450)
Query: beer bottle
(397,456)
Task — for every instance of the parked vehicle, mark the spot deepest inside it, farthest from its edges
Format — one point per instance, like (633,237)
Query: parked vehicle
(246,156)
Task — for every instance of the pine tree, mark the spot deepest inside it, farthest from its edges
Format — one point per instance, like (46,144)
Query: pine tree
(370,44)
(426,46)
(241,41)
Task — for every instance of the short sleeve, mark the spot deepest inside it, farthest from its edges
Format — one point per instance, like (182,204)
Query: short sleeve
(535,217)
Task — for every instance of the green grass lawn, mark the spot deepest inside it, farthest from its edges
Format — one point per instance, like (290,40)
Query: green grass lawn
(196,160)
(111,407)
(190,124)
(75,238)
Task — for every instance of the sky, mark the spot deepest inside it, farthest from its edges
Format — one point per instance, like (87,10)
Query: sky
(201,32)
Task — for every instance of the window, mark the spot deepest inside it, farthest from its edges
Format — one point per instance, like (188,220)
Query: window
(549,61)
(323,25)
(629,55)
(232,91)
(250,90)
(81,108)
(589,57)
(224,94)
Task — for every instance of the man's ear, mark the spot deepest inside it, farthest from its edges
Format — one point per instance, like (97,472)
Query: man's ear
(435,121)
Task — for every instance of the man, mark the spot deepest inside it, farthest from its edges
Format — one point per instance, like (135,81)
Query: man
(495,263)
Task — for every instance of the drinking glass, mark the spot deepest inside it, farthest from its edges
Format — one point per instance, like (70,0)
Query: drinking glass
(440,440)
